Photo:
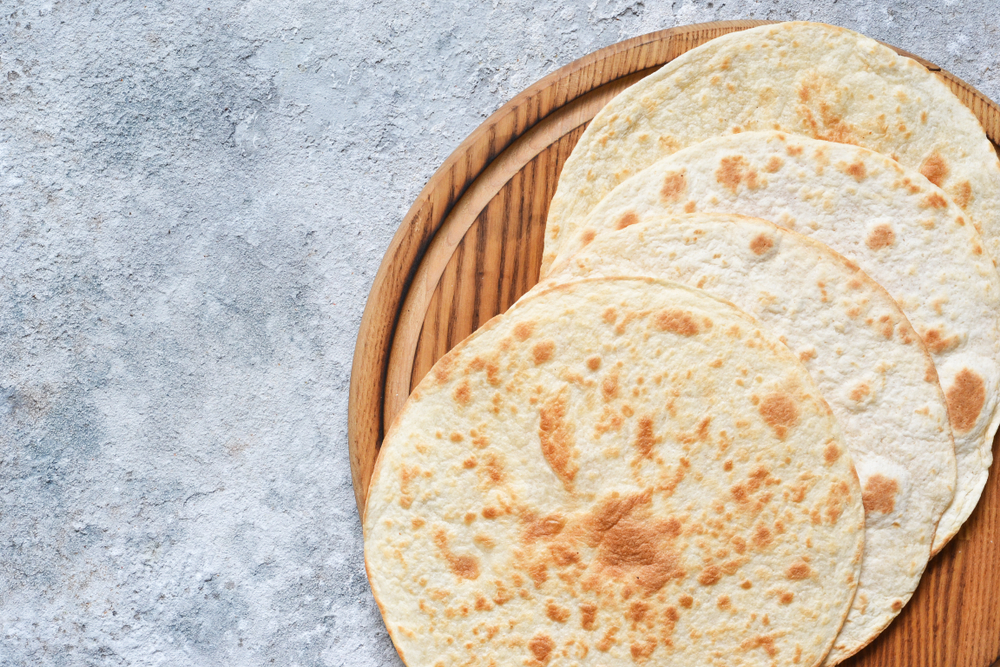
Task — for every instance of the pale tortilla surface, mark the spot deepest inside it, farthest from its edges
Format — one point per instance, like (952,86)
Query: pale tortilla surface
(868,363)
(901,230)
(615,472)
(806,78)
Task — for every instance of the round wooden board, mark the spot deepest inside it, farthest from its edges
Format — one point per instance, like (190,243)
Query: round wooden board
(472,244)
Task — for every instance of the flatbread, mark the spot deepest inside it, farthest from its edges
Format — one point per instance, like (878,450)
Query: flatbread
(898,227)
(806,78)
(883,389)
(615,471)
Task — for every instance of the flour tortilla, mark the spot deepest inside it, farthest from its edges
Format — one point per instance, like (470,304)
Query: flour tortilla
(883,389)
(897,226)
(612,472)
(806,78)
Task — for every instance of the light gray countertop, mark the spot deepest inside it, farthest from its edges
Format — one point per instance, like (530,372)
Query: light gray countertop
(194,200)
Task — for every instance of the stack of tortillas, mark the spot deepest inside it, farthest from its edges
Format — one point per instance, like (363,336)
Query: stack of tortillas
(755,391)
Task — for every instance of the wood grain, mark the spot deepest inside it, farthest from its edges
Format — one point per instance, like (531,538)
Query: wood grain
(471,244)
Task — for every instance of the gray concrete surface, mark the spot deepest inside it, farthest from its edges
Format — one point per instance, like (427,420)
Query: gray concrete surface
(194,200)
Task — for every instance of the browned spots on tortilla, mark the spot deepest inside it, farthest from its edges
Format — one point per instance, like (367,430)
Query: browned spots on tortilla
(762,536)
(689,207)
(676,321)
(469,462)
(934,200)
(897,605)
(685,601)
(930,373)
(632,546)
(965,400)
(608,640)
(486,542)
(759,477)
(724,602)
(491,512)
(642,650)
(456,436)
(774,163)
(594,362)
(879,494)
(934,168)
(806,355)
(588,616)
(855,170)
(545,527)
(881,236)
(644,439)
(798,570)
(462,566)
(417,523)
(761,244)
(630,218)
(482,604)
(710,575)
(734,170)
(860,392)
(937,342)
(609,316)
(539,573)
(962,194)
(674,186)
(637,611)
(542,351)
(442,369)
(587,236)
(786,597)
(794,150)
(564,555)
(780,412)
(814,96)
(523,330)
(609,386)
(556,613)
(836,499)
(493,471)
(541,646)
(831,453)
(765,642)
(462,393)
(556,436)
(406,475)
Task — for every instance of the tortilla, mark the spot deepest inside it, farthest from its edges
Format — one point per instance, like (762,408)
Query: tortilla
(612,472)
(806,78)
(883,389)
(898,227)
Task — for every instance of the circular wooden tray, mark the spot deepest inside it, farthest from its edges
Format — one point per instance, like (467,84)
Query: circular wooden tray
(472,244)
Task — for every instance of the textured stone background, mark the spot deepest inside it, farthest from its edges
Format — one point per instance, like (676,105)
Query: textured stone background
(194,200)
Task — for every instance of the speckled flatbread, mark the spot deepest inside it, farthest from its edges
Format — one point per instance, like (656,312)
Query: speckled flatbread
(898,227)
(867,361)
(615,472)
(807,78)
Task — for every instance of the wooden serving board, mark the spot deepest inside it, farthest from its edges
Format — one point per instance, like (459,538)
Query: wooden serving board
(472,244)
